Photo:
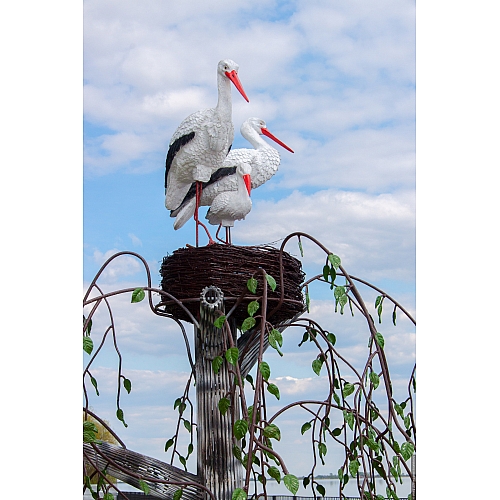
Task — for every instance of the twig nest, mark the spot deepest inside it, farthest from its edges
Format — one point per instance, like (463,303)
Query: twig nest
(188,271)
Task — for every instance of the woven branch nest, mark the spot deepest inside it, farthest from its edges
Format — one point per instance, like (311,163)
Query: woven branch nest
(188,270)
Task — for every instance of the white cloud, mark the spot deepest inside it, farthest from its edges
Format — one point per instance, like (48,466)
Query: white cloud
(327,68)
(373,234)
(124,265)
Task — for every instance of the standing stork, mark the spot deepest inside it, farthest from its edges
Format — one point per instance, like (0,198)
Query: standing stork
(229,206)
(263,159)
(201,142)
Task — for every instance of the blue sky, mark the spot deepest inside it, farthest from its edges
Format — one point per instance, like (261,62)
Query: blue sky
(336,82)
(457,98)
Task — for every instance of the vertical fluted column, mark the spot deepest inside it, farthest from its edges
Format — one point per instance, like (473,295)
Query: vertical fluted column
(217,468)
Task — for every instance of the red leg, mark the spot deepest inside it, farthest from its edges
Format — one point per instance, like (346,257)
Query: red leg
(197,220)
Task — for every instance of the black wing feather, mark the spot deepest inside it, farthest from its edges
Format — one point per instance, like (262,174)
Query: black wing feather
(174,149)
(216,176)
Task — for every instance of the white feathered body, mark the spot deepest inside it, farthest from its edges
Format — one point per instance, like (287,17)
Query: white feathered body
(201,142)
(264,161)
(229,206)
(201,156)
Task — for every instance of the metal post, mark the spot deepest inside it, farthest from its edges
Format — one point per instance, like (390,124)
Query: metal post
(414,474)
(218,469)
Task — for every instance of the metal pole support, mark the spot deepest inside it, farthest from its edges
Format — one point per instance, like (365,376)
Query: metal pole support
(218,469)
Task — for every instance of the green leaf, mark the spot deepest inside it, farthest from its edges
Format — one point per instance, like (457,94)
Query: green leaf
(169,443)
(237,453)
(224,405)
(143,486)
(190,449)
(331,338)
(353,467)
(265,370)
(252,285)
(217,362)
(407,421)
(394,316)
(326,272)
(380,339)
(232,355)
(379,312)
(247,324)
(127,384)
(89,326)
(273,389)
(322,449)
(240,428)
(276,340)
(320,489)
(342,301)
(187,425)
(333,274)
(239,494)
(249,379)
(219,322)
(374,379)
(182,460)
(271,281)
(88,345)
(178,494)
(305,338)
(274,473)
(276,336)
(308,302)
(339,292)
(138,295)
(250,415)
(378,300)
(316,366)
(337,432)
(407,450)
(305,427)
(177,402)
(349,418)
(272,431)
(292,483)
(334,260)
(306,481)
(94,383)
(348,389)
(300,248)
(253,307)
(119,416)
(399,410)
(89,432)
(108,496)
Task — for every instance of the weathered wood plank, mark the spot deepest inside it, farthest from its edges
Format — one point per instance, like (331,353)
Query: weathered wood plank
(125,464)
(218,469)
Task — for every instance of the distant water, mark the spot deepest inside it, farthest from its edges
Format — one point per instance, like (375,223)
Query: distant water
(332,488)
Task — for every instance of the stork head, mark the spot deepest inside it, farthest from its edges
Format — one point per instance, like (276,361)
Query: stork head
(229,69)
(245,170)
(260,127)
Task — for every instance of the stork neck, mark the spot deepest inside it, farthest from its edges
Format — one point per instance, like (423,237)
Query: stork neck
(224,103)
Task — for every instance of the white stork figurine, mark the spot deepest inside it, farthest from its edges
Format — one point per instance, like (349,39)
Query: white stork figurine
(229,206)
(263,159)
(201,142)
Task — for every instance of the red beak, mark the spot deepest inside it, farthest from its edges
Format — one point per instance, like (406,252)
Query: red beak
(248,182)
(275,139)
(233,76)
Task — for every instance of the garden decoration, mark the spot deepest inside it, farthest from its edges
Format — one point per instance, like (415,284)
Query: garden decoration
(263,159)
(201,142)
